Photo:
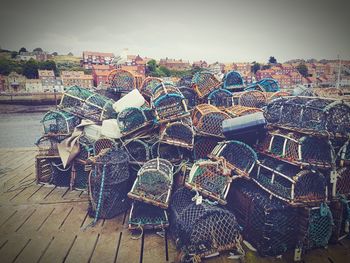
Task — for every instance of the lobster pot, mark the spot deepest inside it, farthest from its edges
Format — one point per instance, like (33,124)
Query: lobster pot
(59,122)
(277,94)
(133,119)
(343,156)
(80,175)
(269,225)
(191,97)
(122,81)
(109,93)
(44,169)
(341,182)
(60,176)
(147,216)
(254,98)
(211,179)
(87,104)
(86,145)
(254,86)
(300,149)
(103,144)
(269,85)
(153,183)
(138,150)
(204,146)
(148,85)
(47,145)
(202,230)
(207,120)
(333,92)
(240,157)
(237,111)
(185,81)
(166,151)
(220,98)
(233,81)
(108,200)
(289,183)
(204,82)
(179,133)
(340,209)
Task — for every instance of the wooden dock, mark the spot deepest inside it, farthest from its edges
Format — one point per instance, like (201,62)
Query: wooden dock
(46,224)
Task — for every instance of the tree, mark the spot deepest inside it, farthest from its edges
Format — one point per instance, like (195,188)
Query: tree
(23,49)
(5,68)
(151,66)
(30,69)
(268,66)
(272,60)
(255,67)
(165,70)
(303,70)
(38,49)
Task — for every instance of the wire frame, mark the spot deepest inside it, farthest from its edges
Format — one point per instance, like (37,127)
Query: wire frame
(233,80)
(238,110)
(87,104)
(191,97)
(289,183)
(240,157)
(179,133)
(204,146)
(43,170)
(341,183)
(202,230)
(138,150)
(210,178)
(153,183)
(80,175)
(121,80)
(86,146)
(147,216)
(47,145)
(166,151)
(254,98)
(340,209)
(59,122)
(102,144)
(204,82)
(148,86)
(277,94)
(61,176)
(332,92)
(269,85)
(207,120)
(299,149)
(220,98)
(133,119)
(269,225)
(343,153)
(185,81)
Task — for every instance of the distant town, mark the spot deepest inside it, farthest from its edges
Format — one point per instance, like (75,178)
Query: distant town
(39,71)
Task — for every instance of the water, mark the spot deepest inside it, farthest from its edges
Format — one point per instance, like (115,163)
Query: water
(20,129)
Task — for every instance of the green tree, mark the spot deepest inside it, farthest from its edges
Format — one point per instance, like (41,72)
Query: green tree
(272,60)
(255,67)
(151,66)
(165,70)
(303,70)
(5,68)
(23,49)
(30,69)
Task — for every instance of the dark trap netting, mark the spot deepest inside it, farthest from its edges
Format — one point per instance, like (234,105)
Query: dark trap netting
(147,216)
(269,225)
(204,146)
(343,153)
(87,104)
(310,114)
(204,82)
(340,209)
(148,85)
(240,157)
(210,178)
(178,133)
(191,97)
(60,175)
(153,183)
(203,229)
(86,148)
(220,98)
(269,85)
(50,170)
(289,182)
(121,80)
(254,98)
(59,122)
(43,170)
(138,150)
(233,80)
(237,110)
(342,182)
(133,118)
(166,151)
(102,144)
(80,175)
(47,145)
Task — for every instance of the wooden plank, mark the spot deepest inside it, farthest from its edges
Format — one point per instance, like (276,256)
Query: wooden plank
(42,193)
(24,195)
(13,248)
(55,219)
(73,222)
(154,248)
(318,255)
(6,213)
(21,217)
(84,247)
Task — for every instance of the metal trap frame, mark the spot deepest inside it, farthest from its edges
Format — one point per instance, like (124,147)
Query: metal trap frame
(204,82)
(121,81)
(179,133)
(252,98)
(59,122)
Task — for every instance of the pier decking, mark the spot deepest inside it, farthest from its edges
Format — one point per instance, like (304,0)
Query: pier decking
(46,224)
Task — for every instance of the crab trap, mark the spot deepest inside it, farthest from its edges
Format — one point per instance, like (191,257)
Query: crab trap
(204,82)
(220,98)
(80,175)
(134,118)
(299,149)
(87,104)
(340,180)
(86,146)
(202,230)
(179,133)
(310,115)
(59,122)
(340,209)
(166,151)
(289,183)
(168,103)
(139,151)
(254,99)
(240,157)
(121,81)
(191,97)
(268,85)
(233,81)
(47,145)
(237,111)
(277,94)
(185,81)
(49,170)
(103,143)
(211,179)
(145,216)
(204,146)
(148,85)
(343,154)
(207,120)
(269,225)
(153,183)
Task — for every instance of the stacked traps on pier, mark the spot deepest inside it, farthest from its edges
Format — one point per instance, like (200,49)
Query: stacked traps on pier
(204,82)
(233,81)
(264,85)
(47,145)
(278,94)
(57,122)
(49,170)
(121,81)
(204,146)
(191,97)
(253,98)
(237,110)
(172,153)
(202,229)
(340,209)
(220,98)
(148,85)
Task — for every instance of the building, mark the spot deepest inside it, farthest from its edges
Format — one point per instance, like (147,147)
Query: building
(2,83)
(288,69)
(320,69)
(296,78)
(34,85)
(36,55)
(15,82)
(248,77)
(25,56)
(243,68)
(70,78)
(100,74)
(284,81)
(133,63)
(96,58)
(174,64)
(46,74)
(263,74)
(200,64)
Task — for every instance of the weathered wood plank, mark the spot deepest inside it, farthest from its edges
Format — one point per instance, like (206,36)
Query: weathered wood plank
(13,248)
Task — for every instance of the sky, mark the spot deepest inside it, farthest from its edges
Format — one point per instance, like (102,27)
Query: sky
(213,30)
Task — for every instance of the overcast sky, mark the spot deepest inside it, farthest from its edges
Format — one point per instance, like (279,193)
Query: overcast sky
(214,30)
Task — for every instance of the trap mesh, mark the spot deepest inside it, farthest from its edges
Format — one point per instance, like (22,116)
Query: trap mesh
(147,216)
(43,170)
(203,229)
(239,156)
(343,181)
(237,110)
(333,92)
(80,175)
(212,179)
(204,82)
(289,182)
(47,145)
(166,151)
(86,145)
(139,151)
(132,119)
(153,183)
(220,98)
(254,99)
(59,122)
(121,80)
(233,80)
(60,176)
(277,94)
(204,146)
(185,81)
(103,143)
(207,120)
(191,97)
(270,225)
(179,133)
(148,86)
(340,209)
(269,85)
